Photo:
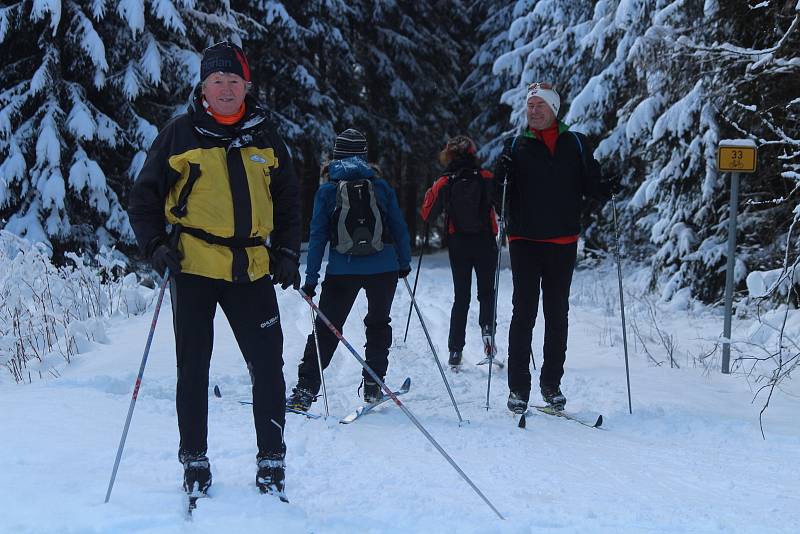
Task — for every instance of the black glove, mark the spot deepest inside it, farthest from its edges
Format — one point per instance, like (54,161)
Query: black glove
(403,272)
(285,267)
(163,257)
(503,166)
(309,290)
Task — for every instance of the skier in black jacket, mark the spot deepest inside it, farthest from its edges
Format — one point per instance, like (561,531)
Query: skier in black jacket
(550,170)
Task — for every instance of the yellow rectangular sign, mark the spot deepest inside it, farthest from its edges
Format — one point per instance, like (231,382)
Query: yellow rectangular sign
(736,158)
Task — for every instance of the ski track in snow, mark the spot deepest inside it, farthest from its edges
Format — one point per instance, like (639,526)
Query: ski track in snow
(689,459)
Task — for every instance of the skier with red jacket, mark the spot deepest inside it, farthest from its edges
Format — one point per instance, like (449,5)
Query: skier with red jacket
(464,194)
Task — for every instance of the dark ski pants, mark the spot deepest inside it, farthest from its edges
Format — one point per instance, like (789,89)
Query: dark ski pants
(468,253)
(252,312)
(339,292)
(549,267)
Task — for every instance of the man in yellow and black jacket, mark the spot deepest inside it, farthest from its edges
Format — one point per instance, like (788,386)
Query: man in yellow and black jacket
(223,179)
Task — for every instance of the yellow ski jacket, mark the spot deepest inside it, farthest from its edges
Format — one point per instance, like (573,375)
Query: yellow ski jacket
(228,189)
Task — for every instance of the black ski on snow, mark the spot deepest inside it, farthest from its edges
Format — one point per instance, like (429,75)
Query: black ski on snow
(218,394)
(366,408)
(310,415)
(550,410)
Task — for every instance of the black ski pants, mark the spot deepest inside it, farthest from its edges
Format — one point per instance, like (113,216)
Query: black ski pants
(549,267)
(252,312)
(468,253)
(339,292)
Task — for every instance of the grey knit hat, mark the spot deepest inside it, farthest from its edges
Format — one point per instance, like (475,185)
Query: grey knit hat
(350,143)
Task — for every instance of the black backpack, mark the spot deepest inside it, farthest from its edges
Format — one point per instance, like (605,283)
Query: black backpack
(357,224)
(467,203)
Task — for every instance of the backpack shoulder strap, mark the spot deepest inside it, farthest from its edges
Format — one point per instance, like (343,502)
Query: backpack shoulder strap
(578,139)
(580,149)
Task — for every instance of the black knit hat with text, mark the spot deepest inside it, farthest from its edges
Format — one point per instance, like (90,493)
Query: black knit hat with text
(224,57)
(350,143)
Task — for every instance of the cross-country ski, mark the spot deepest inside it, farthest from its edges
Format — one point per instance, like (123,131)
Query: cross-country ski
(364,409)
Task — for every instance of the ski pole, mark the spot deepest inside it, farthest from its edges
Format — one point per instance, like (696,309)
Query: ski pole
(500,232)
(433,350)
(621,300)
(319,362)
(397,401)
(416,281)
(137,383)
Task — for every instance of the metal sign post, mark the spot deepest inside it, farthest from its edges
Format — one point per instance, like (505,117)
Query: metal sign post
(734,156)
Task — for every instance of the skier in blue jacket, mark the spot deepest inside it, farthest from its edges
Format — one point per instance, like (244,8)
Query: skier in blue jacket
(375,269)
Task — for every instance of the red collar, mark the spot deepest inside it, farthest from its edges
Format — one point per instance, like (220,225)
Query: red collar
(549,136)
(226,120)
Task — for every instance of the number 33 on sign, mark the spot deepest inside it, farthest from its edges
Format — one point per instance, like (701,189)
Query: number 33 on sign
(736,155)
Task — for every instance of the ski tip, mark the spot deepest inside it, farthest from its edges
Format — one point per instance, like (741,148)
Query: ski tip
(599,421)
(406,384)
(522,423)
(217,392)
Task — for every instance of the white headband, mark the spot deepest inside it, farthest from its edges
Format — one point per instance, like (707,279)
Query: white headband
(549,96)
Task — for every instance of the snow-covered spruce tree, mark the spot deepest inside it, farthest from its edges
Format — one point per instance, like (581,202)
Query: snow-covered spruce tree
(642,78)
(729,86)
(757,60)
(587,51)
(491,20)
(83,92)
(303,70)
(412,63)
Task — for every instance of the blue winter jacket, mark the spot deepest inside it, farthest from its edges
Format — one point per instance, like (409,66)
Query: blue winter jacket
(391,258)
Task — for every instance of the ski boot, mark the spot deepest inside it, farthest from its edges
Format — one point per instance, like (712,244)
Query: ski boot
(196,473)
(372,391)
(552,396)
(300,399)
(517,402)
(455,359)
(270,476)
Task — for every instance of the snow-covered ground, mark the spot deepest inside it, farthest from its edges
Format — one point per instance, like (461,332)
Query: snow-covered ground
(690,459)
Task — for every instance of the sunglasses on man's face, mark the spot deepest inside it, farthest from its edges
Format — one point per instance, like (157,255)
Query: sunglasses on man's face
(539,85)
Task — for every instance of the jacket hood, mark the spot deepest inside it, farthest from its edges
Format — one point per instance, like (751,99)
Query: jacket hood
(205,124)
(352,168)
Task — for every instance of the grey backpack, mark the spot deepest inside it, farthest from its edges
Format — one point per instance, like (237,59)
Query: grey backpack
(357,224)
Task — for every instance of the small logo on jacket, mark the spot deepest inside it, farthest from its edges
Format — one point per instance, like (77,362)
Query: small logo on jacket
(257,158)
(270,322)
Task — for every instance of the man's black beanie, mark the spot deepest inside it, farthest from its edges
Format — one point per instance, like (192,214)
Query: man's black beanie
(224,57)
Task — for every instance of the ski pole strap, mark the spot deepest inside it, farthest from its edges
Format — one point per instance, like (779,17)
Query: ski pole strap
(230,242)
